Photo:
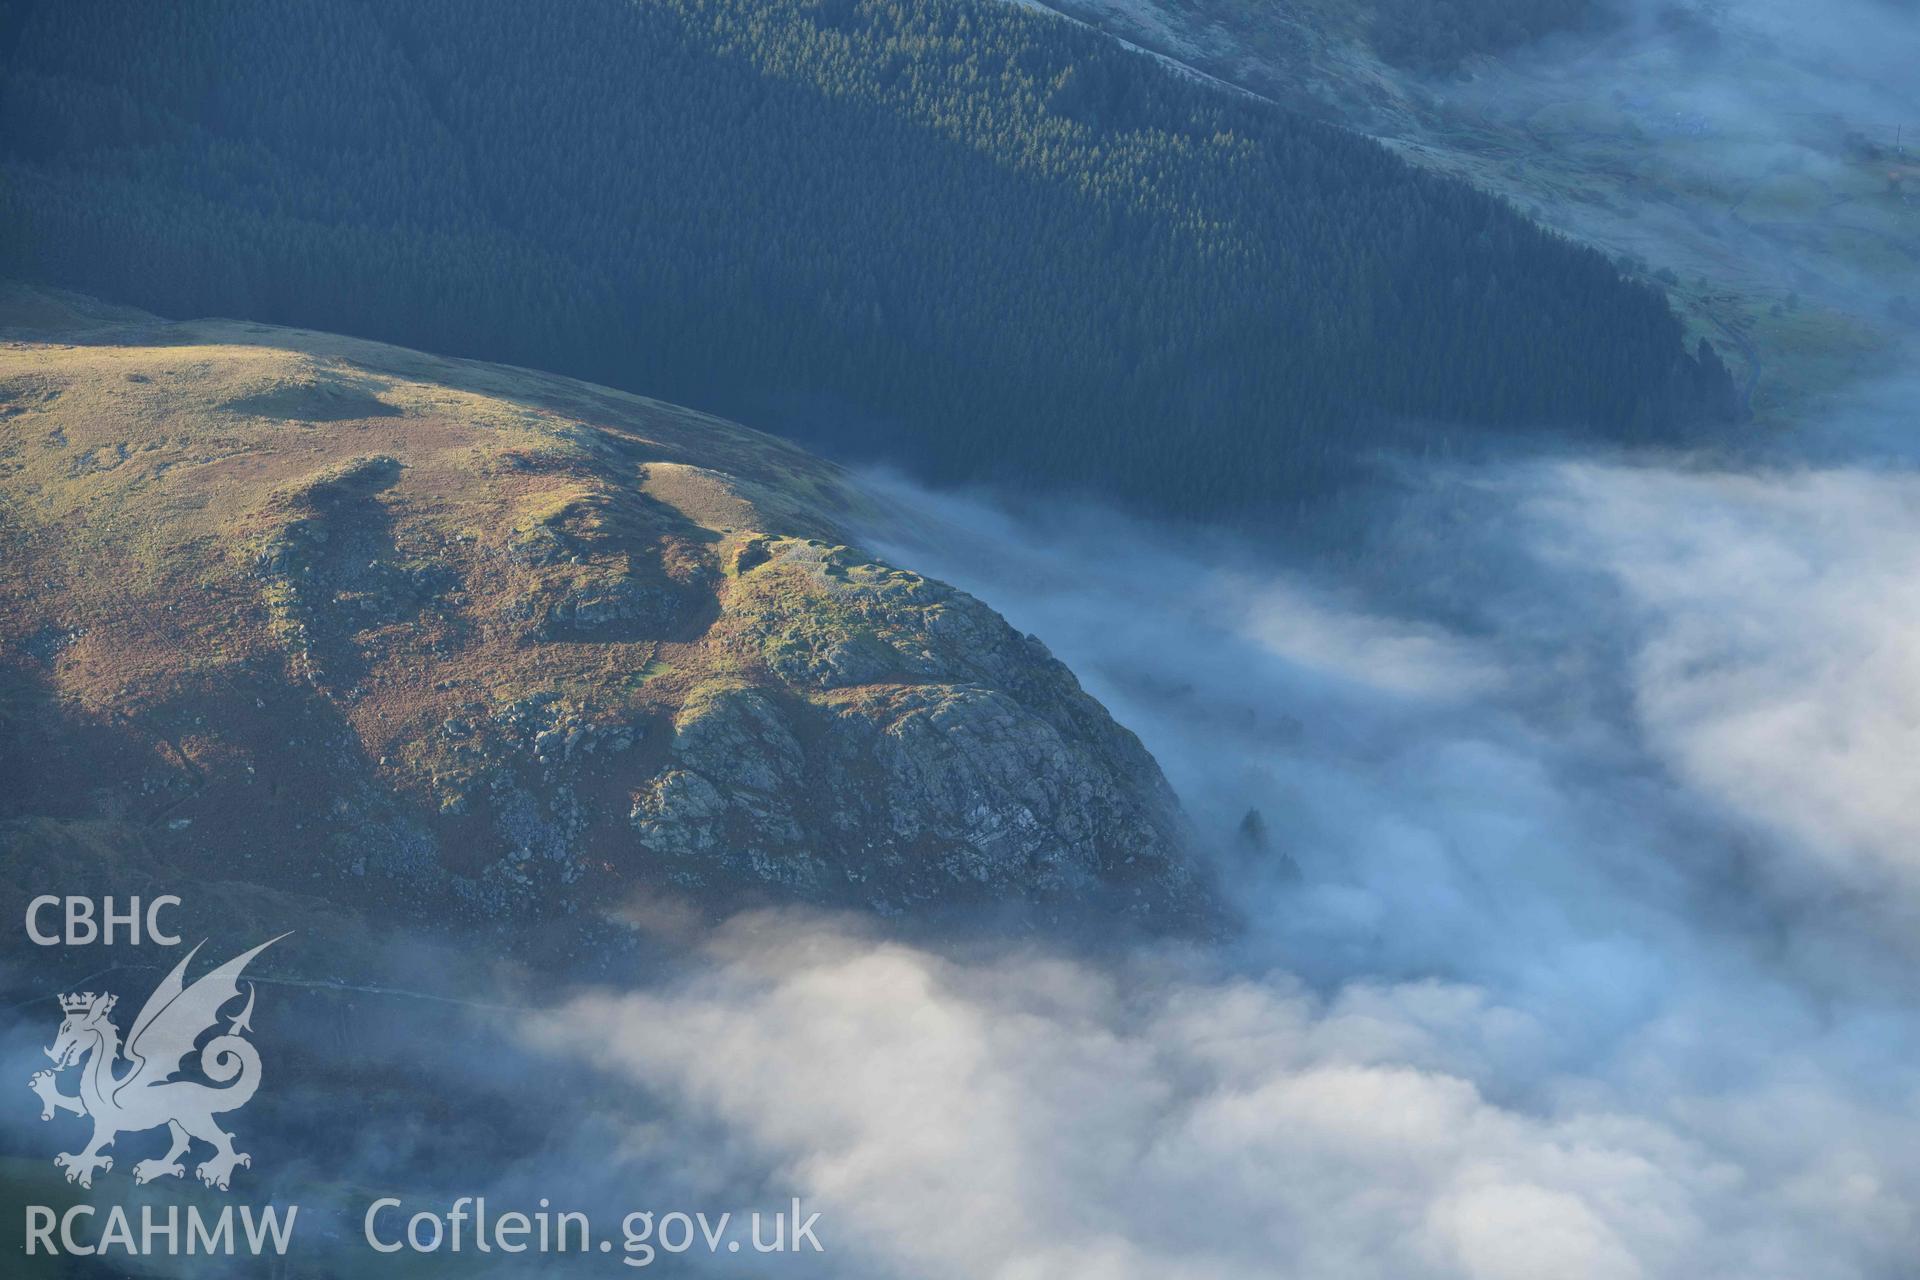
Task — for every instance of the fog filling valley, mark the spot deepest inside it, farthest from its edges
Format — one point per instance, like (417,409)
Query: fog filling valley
(1575,943)
(1567,806)
(1577,920)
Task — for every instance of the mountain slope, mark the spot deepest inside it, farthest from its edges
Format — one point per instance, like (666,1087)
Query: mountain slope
(321,613)
(1730,156)
(978,240)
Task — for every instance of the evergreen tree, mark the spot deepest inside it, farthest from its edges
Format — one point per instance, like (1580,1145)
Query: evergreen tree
(980,241)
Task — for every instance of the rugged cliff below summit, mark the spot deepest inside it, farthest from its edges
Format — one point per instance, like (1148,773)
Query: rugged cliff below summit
(294,609)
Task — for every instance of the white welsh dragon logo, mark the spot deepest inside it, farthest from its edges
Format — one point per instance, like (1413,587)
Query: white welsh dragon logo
(146,1096)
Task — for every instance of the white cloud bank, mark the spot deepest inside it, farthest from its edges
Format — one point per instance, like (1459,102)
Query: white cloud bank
(1584,948)
(1780,670)
(1032,1117)
(1602,806)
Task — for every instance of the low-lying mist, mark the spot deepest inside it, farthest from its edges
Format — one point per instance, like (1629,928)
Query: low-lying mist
(1572,935)
(1567,808)
(1574,925)
(1765,148)
(1571,940)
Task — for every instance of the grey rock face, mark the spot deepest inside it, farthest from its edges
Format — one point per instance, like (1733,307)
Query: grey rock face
(457,641)
(912,748)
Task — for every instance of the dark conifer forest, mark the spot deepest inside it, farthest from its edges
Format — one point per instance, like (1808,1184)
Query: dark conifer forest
(980,242)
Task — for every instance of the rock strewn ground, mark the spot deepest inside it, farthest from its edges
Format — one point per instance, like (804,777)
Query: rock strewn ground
(287,607)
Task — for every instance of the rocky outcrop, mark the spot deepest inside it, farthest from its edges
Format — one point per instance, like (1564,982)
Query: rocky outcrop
(446,636)
(911,747)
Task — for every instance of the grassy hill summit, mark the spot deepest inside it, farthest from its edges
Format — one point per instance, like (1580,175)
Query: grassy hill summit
(402,630)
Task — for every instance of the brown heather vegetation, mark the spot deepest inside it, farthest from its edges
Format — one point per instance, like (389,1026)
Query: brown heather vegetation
(285,607)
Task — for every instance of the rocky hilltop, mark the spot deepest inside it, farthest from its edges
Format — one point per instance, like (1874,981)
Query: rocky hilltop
(297,609)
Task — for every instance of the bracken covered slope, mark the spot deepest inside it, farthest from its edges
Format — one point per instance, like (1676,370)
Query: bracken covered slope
(294,609)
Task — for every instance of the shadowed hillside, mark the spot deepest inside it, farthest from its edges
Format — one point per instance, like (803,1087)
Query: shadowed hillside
(979,241)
